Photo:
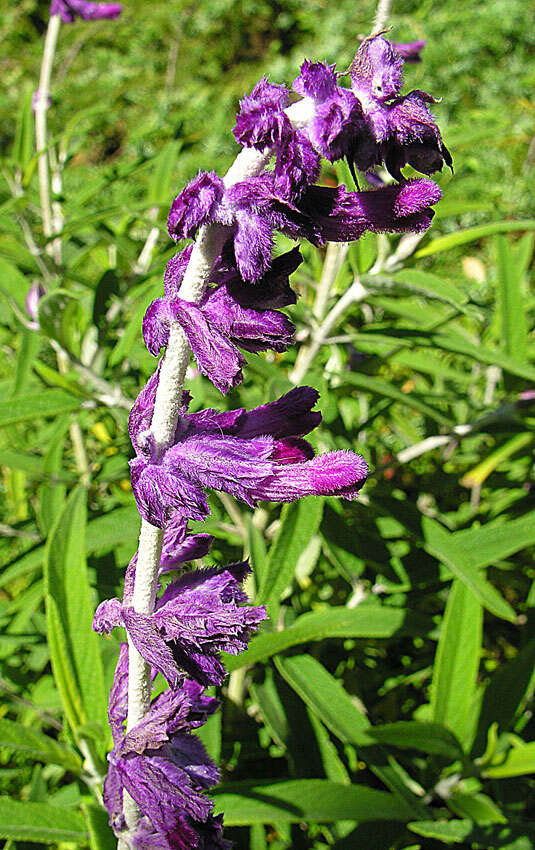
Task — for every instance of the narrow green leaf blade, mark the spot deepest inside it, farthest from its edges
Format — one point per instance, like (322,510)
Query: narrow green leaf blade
(440,543)
(473,234)
(366,621)
(299,522)
(40,822)
(311,800)
(34,405)
(73,644)
(37,745)
(457,660)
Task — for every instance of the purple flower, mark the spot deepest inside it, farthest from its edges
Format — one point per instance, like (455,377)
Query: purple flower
(163,767)
(197,617)
(255,456)
(410,51)
(263,124)
(69,10)
(396,130)
(337,112)
(230,316)
(414,137)
(35,293)
(252,211)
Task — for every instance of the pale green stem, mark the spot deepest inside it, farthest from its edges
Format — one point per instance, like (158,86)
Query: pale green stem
(41,108)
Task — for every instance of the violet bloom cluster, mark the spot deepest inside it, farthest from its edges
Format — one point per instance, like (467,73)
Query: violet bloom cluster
(69,10)
(253,455)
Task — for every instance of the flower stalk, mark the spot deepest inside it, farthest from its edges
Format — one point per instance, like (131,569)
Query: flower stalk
(41,104)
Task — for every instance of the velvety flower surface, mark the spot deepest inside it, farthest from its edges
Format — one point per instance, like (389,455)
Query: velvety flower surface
(337,112)
(253,456)
(397,130)
(262,123)
(230,316)
(69,10)
(252,211)
(163,767)
(197,617)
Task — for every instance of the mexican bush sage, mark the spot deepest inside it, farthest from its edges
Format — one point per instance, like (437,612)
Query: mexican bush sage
(223,295)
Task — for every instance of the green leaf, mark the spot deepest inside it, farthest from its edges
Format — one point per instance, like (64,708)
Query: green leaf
(35,405)
(504,836)
(30,344)
(457,660)
(416,735)
(24,133)
(511,301)
(257,552)
(73,645)
(101,836)
(494,541)
(267,697)
(423,283)
(299,523)
(38,746)
(476,807)
(103,533)
(13,284)
(163,167)
(504,696)
(518,761)
(441,544)
(52,493)
(366,621)
(19,460)
(315,800)
(325,696)
(40,822)
(473,234)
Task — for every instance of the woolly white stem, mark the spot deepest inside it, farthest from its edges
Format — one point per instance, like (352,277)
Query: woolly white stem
(384,9)
(41,107)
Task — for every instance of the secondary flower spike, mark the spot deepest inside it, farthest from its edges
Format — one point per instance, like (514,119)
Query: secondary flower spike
(69,10)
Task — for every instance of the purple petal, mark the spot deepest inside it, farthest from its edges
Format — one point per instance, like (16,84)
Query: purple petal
(107,616)
(157,490)
(194,546)
(117,703)
(155,325)
(68,10)
(272,291)
(316,80)
(253,241)
(334,474)
(289,416)
(175,271)
(377,69)
(148,641)
(195,205)
(216,355)
(261,122)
